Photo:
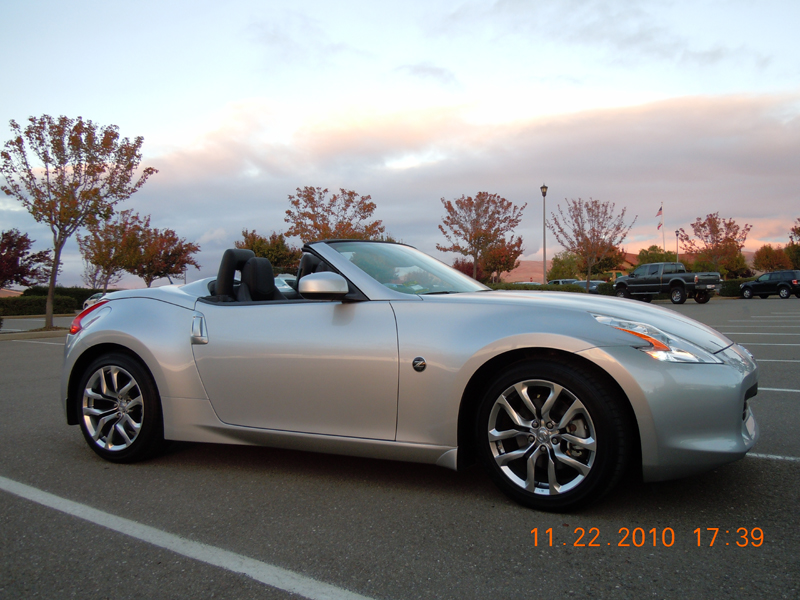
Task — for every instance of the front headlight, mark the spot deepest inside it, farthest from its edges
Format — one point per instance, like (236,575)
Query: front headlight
(658,344)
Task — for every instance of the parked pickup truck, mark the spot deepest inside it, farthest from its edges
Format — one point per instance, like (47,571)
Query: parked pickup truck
(667,278)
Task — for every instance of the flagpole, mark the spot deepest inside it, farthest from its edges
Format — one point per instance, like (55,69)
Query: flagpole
(663,235)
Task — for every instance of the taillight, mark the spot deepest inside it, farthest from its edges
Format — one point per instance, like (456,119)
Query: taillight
(76,322)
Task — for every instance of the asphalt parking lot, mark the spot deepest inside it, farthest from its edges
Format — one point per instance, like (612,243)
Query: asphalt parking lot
(191,522)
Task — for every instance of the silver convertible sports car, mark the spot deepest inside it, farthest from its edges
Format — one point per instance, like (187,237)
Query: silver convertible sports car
(379,350)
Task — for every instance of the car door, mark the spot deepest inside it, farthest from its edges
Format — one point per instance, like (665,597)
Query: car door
(306,366)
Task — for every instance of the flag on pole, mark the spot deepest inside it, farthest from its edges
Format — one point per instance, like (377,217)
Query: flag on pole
(660,211)
(659,226)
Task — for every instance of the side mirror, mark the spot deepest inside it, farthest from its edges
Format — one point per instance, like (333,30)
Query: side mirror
(323,286)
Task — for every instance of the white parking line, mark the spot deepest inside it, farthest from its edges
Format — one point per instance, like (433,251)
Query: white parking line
(265,573)
(37,342)
(762,389)
(774,457)
(755,333)
(776,360)
(747,344)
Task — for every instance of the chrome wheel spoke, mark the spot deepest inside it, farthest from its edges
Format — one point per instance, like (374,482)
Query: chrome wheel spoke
(512,414)
(90,411)
(121,431)
(503,459)
(127,388)
(552,482)
(555,392)
(571,462)
(575,409)
(496,436)
(522,391)
(586,443)
(135,402)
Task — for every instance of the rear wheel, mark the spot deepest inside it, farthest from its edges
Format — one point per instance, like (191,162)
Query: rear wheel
(701,297)
(552,435)
(119,409)
(785,292)
(677,295)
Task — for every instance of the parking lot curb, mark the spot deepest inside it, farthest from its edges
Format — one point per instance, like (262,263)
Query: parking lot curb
(32,335)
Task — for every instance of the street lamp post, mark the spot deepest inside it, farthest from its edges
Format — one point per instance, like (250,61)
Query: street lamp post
(677,231)
(544,235)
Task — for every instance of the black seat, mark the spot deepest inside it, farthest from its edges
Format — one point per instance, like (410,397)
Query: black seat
(310,264)
(258,282)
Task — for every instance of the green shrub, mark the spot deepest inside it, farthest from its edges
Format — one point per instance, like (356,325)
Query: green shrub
(538,288)
(80,294)
(35,305)
(730,288)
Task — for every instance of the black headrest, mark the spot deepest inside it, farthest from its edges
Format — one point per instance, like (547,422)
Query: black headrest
(233,260)
(310,264)
(258,276)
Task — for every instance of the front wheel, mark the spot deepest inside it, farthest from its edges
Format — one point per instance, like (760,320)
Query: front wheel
(119,409)
(785,292)
(623,293)
(552,435)
(702,297)
(677,295)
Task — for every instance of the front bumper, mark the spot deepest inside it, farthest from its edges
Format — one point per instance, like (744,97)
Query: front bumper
(692,417)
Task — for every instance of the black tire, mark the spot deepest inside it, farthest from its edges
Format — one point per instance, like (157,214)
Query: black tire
(677,295)
(747,293)
(646,298)
(702,297)
(785,292)
(119,409)
(623,293)
(763,296)
(583,407)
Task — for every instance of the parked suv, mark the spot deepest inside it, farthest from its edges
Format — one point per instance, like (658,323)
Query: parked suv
(783,283)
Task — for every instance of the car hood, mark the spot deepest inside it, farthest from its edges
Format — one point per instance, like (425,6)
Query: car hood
(664,319)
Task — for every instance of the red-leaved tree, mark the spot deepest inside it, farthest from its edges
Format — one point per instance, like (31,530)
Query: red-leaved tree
(314,216)
(475,225)
(590,230)
(718,245)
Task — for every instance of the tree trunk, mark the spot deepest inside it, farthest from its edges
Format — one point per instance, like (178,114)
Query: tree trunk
(475,266)
(58,245)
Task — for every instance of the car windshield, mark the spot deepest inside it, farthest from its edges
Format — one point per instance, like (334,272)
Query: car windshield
(405,269)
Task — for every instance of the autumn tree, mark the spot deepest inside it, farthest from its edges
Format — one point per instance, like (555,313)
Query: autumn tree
(502,257)
(611,259)
(468,268)
(17,264)
(110,247)
(69,173)
(282,256)
(768,258)
(160,253)
(564,266)
(591,230)
(792,249)
(719,244)
(346,215)
(655,254)
(472,226)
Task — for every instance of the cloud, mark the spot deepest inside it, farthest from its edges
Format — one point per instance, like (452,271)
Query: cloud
(293,38)
(429,71)
(627,31)
(697,155)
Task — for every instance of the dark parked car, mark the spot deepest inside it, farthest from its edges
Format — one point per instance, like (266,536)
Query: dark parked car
(783,283)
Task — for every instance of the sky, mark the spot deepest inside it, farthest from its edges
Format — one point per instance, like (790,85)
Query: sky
(693,104)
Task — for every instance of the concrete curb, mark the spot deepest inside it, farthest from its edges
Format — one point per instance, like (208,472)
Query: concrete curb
(32,335)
